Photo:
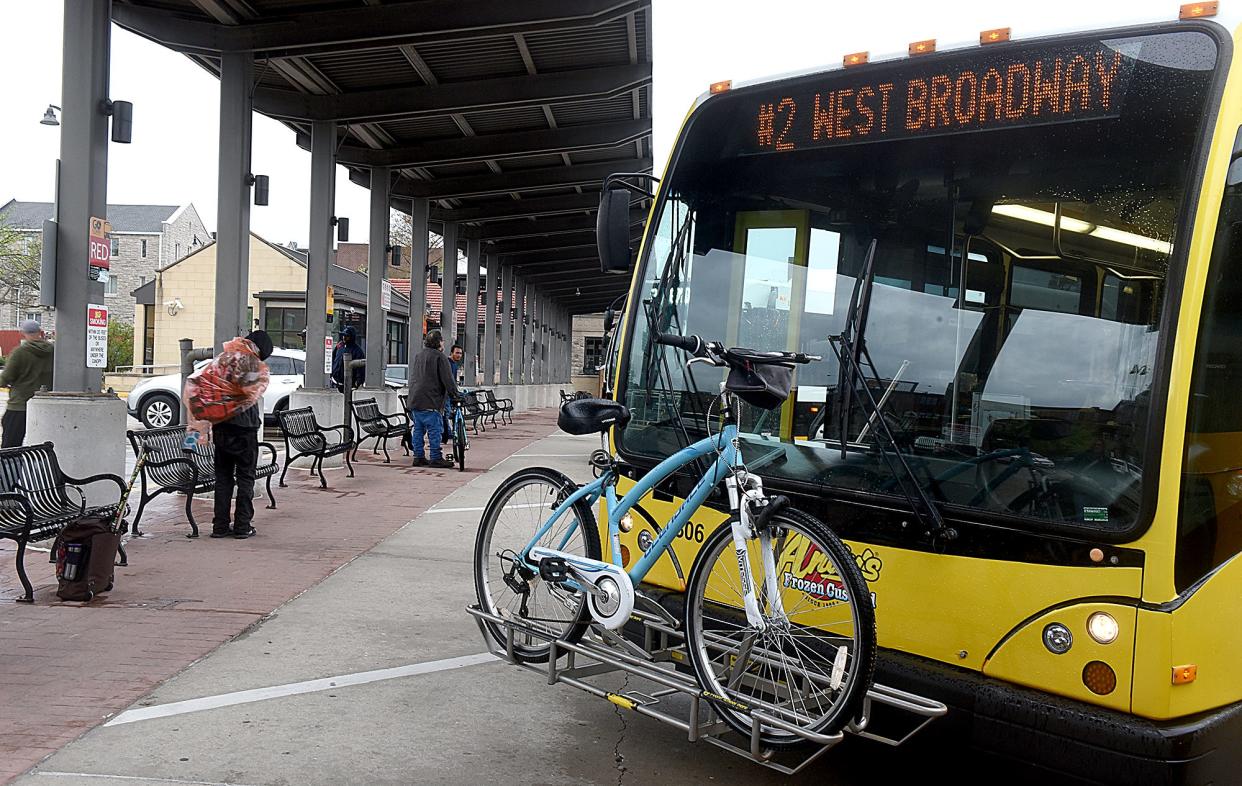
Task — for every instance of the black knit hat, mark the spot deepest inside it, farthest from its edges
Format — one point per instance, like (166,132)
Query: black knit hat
(263,342)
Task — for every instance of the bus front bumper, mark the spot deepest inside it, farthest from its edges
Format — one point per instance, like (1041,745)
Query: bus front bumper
(1069,740)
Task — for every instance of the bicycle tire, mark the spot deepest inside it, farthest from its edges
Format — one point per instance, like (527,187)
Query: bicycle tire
(770,657)
(502,502)
(459,443)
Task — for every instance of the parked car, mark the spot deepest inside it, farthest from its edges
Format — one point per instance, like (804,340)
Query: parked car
(396,375)
(156,402)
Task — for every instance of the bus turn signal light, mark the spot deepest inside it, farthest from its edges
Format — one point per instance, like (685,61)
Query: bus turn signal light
(856,59)
(1099,678)
(923,47)
(1197,11)
(1184,675)
(720,87)
(994,36)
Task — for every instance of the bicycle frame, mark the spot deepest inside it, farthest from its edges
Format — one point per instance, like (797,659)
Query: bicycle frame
(722,445)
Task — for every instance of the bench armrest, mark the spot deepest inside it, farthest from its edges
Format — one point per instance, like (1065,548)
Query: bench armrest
(105,476)
(23,503)
(397,419)
(270,449)
(347,433)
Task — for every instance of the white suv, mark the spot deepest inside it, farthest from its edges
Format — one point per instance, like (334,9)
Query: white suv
(157,401)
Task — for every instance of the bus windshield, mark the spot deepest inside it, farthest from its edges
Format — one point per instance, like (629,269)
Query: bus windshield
(1025,202)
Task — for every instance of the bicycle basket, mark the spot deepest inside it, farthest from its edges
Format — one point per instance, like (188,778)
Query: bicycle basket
(765,385)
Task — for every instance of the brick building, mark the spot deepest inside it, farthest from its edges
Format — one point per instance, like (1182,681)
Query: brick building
(145,238)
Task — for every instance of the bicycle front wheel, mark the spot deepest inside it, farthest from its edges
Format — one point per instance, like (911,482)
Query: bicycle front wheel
(459,443)
(506,586)
(811,660)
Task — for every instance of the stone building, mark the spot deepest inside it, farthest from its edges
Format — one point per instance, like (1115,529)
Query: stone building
(145,238)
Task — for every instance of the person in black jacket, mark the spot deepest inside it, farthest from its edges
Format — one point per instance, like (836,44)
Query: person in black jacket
(431,380)
(347,350)
(237,456)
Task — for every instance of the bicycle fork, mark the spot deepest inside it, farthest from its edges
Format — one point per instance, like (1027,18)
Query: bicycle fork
(745,498)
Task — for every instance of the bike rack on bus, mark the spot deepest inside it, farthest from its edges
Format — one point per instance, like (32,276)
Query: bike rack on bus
(656,660)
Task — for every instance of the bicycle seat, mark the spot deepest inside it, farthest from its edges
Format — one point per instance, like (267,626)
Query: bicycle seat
(591,415)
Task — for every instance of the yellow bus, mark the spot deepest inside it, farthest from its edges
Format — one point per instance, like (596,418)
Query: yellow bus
(1053,346)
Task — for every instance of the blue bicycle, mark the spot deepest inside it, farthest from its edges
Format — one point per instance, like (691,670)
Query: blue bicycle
(777,616)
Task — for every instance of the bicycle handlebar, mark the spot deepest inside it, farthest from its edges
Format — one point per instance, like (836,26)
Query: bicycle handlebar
(700,348)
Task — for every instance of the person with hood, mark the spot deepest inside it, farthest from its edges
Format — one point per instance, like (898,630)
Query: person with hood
(28,368)
(237,456)
(346,351)
(431,381)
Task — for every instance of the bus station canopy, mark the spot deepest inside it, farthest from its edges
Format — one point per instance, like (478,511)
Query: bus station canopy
(505,115)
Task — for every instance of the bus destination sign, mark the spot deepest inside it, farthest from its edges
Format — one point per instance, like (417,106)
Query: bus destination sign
(1083,82)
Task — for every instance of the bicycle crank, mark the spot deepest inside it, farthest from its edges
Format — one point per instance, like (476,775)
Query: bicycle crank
(610,593)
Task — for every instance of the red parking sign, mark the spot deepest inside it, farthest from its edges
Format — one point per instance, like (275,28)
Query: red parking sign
(100,247)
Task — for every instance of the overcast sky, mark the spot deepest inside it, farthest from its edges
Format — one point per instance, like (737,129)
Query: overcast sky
(172,159)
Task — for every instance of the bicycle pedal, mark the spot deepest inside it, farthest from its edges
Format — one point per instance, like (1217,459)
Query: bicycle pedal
(553,569)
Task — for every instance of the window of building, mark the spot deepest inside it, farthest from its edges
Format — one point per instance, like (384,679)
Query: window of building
(110,287)
(345,316)
(397,332)
(593,354)
(148,335)
(37,316)
(285,325)
(142,250)
(116,245)
(176,251)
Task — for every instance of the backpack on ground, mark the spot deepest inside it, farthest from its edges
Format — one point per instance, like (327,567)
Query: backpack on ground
(85,553)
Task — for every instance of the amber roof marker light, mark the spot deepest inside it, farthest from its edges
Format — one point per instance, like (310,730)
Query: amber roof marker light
(723,86)
(855,59)
(922,47)
(994,36)
(1197,10)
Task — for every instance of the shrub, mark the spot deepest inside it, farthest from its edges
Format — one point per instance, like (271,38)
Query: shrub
(120,345)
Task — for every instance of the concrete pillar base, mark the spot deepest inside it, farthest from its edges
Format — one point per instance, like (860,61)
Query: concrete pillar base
(88,430)
(329,407)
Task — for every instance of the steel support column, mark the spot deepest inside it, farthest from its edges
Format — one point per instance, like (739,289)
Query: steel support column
(233,199)
(536,329)
(470,339)
(506,322)
(322,206)
(521,350)
(83,187)
(489,321)
(377,262)
(448,286)
(419,211)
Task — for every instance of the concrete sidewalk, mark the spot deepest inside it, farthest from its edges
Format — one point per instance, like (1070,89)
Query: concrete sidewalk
(378,676)
(65,668)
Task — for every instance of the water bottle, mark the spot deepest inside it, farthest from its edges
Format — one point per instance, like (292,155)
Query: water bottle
(191,440)
(73,561)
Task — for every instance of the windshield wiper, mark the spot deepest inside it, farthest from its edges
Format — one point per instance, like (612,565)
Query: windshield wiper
(850,347)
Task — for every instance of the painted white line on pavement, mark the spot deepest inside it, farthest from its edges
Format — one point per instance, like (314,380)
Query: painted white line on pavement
(476,510)
(144,779)
(545,455)
(296,688)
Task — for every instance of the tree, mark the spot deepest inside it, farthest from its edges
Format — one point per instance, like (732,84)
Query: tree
(120,345)
(401,229)
(20,268)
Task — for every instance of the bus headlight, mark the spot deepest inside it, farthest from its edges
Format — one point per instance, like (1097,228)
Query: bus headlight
(1058,639)
(1102,627)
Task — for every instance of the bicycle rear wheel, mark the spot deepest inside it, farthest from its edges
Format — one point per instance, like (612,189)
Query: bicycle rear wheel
(812,663)
(509,589)
(459,443)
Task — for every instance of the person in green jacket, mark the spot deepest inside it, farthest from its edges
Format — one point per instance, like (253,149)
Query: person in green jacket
(28,368)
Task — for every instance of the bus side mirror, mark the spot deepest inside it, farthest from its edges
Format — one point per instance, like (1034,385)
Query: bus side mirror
(612,230)
(610,316)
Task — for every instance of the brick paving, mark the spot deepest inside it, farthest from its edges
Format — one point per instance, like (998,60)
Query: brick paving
(66,667)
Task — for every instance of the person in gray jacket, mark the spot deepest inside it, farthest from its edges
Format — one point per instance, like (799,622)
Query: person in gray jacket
(431,380)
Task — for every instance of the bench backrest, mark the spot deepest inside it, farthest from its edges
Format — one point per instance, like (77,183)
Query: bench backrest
(472,404)
(366,409)
(165,444)
(34,473)
(301,429)
(405,402)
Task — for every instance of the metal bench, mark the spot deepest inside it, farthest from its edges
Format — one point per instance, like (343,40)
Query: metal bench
(473,410)
(170,468)
(375,424)
(305,437)
(36,504)
(504,406)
